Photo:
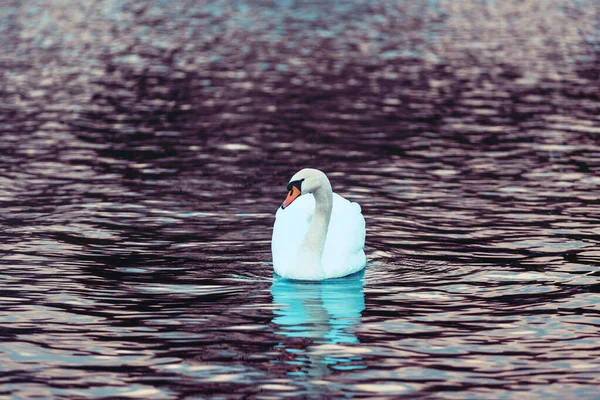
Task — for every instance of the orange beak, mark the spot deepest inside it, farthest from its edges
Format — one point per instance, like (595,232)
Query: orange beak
(292,195)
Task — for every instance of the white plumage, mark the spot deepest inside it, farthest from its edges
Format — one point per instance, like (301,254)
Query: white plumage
(296,256)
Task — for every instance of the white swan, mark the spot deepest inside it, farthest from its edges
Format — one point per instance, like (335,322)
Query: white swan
(317,234)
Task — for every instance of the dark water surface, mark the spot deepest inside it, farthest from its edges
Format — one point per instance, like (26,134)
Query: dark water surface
(145,147)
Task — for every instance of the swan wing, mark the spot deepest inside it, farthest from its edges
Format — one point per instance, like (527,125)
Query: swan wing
(344,249)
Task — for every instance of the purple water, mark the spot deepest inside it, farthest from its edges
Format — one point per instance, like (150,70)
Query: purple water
(145,147)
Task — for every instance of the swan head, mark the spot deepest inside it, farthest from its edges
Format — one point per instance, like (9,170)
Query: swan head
(305,181)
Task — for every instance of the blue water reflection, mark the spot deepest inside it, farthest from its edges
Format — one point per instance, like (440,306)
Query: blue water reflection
(327,311)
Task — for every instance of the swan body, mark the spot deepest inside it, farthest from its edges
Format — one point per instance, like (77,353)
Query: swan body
(317,234)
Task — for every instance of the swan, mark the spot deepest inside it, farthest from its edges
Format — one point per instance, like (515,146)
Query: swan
(317,233)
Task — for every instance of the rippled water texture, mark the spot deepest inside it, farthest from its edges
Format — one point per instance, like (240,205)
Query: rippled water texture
(146,145)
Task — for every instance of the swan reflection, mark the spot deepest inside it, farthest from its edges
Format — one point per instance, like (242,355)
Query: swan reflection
(328,312)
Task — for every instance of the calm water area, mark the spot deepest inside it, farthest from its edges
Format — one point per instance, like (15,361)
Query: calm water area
(145,147)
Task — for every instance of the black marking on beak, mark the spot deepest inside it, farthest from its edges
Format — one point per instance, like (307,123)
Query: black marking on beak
(297,184)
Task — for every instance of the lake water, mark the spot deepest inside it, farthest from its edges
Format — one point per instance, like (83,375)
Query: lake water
(146,146)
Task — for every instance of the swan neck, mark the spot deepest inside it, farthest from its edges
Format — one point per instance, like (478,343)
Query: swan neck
(317,231)
(324,200)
